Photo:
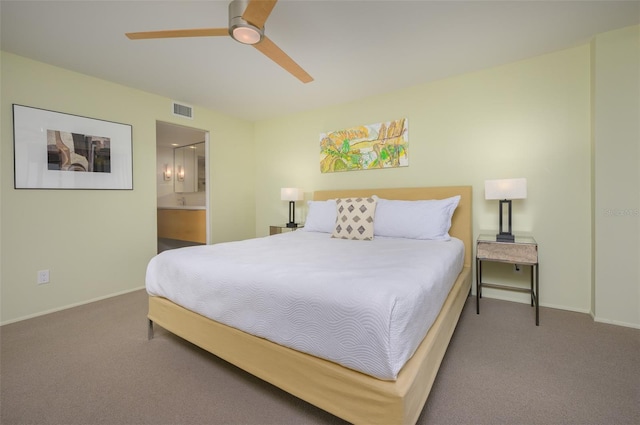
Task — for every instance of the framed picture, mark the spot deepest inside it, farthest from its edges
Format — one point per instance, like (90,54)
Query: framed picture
(53,150)
(366,147)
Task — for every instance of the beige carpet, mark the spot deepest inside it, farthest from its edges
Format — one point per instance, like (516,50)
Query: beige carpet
(93,365)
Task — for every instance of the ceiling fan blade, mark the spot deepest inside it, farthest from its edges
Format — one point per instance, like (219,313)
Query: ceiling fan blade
(197,32)
(258,11)
(273,52)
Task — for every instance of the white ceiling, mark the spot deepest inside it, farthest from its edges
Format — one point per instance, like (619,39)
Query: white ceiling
(353,49)
(172,135)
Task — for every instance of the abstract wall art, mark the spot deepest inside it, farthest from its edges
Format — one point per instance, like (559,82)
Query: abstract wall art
(53,150)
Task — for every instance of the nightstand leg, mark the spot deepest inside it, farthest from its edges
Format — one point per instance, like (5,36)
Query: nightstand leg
(537,294)
(533,294)
(478,279)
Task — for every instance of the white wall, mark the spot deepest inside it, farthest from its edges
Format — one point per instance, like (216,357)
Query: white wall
(526,119)
(167,197)
(97,243)
(616,168)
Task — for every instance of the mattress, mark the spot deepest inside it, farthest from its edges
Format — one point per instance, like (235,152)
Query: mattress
(365,305)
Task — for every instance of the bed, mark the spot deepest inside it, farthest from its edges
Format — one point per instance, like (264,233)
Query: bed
(395,394)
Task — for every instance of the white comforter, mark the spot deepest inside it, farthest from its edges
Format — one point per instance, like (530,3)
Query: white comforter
(366,305)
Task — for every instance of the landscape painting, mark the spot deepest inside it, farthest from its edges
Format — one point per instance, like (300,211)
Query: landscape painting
(367,147)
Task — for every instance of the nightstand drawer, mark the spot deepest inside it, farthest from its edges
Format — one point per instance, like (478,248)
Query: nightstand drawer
(509,252)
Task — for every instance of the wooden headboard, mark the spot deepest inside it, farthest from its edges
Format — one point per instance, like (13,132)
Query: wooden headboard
(461,227)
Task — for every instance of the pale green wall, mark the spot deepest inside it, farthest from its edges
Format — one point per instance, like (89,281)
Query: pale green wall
(526,119)
(616,174)
(98,243)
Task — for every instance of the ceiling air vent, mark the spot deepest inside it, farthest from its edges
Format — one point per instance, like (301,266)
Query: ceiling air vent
(182,110)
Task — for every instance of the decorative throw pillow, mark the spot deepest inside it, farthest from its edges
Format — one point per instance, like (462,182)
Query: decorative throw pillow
(355,218)
(321,216)
(429,219)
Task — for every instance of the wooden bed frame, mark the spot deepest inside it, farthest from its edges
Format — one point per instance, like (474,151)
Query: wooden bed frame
(351,395)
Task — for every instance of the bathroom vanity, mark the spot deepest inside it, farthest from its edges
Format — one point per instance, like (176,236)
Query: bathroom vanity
(182,223)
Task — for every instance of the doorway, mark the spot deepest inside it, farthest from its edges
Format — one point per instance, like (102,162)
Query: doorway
(182,169)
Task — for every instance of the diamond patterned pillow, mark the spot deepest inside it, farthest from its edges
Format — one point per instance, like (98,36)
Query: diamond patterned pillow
(355,218)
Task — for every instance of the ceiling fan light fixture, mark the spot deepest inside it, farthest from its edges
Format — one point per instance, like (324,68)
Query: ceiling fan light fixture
(239,29)
(246,33)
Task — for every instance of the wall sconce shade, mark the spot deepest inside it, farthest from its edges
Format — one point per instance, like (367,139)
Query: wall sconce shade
(505,190)
(180,173)
(167,172)
(292,195)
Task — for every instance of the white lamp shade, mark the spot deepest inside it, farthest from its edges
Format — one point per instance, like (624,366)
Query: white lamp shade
(505,189)
(291,194)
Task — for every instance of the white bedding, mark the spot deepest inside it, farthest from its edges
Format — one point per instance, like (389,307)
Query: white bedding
(363,304)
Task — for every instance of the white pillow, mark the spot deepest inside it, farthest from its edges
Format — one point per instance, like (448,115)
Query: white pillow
(321,216)
(430,219)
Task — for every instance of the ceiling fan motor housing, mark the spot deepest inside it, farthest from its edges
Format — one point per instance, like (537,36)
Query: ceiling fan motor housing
(239,29)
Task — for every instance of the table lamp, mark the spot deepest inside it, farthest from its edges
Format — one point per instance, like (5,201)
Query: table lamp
(292,195)
(505,190)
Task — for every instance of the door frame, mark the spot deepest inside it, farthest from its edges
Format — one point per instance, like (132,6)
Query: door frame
(190,131)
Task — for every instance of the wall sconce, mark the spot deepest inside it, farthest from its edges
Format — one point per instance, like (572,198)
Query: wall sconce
(167,173)
(292,195)
(180,173)
(505,190)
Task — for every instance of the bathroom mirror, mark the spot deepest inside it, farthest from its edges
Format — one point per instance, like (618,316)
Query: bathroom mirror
(189,168)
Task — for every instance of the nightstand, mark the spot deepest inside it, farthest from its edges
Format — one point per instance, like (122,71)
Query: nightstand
(523,251)
(275,230)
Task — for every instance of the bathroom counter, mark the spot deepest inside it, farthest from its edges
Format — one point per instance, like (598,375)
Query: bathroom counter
(182,207)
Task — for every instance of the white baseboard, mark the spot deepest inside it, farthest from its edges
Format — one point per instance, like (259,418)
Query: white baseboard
(616,322)
(525,299)
(504,296)
(42,313)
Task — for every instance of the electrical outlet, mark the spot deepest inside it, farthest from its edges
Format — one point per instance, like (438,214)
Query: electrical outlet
(43,276)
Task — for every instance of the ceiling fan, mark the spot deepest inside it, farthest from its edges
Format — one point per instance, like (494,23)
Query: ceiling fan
(246,25)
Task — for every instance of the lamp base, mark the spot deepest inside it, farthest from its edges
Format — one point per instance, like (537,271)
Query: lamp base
(505,237)
(292,225)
